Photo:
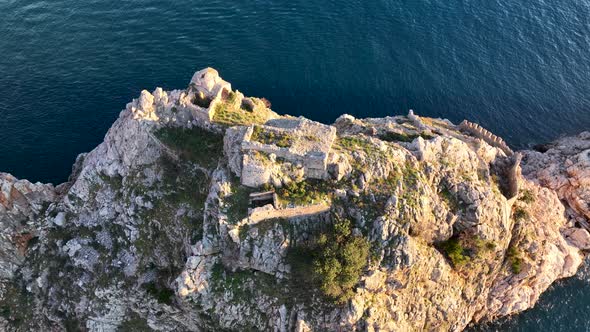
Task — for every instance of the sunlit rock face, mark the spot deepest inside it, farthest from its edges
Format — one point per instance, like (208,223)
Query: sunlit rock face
(203,209)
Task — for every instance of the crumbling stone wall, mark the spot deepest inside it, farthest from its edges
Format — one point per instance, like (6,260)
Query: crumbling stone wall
(311,144)
(484,134)
(260,214)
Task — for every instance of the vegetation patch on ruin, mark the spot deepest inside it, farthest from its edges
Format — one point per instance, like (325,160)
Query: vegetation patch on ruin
(227,112)
(303,193)
(270,137)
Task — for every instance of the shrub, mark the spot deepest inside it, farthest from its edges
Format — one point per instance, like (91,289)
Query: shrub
(527,196)
(162,294)
(520,214)
(515,259)
(334,262)
(403,137)
(340,262)
(454,250)
(266,102)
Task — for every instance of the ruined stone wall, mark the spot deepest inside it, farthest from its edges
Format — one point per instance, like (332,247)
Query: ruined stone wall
(484,134)
(302,211)
(315,165)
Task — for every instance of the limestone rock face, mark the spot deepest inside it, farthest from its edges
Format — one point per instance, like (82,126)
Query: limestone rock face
(161,227)
(542,262)
(22,205)
(565,168)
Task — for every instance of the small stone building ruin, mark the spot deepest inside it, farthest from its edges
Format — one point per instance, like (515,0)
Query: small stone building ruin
(303,143)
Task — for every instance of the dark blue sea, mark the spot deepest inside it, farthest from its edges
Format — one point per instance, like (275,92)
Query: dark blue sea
(519,68)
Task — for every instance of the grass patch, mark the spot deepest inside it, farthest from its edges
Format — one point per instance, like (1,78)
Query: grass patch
(227,112)
(238,203)
(356,143)
(282,140)
(195,145)
(303,193)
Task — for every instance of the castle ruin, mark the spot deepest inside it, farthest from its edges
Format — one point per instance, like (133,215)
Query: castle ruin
(298,141)
(485,135)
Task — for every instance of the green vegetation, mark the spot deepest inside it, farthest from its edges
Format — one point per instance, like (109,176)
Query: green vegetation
(357,143)
(514,259)
(160,293)
(450,199)
(360,144)
(527,196)
(115,182)
(455,251)
(194,145)
(520,214)
(238,203)
(228,113)
(244,285)
(163,229)
(304,193)
(17,306)
(463,249)
(282,140)
(333,262)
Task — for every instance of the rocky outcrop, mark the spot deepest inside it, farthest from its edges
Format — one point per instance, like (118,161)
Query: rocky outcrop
(22,206)
(154,229)
(564,167)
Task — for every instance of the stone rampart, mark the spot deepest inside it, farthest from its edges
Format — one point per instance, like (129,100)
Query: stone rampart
(485,135)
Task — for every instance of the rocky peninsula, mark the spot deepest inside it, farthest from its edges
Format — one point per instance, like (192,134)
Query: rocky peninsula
(205,210)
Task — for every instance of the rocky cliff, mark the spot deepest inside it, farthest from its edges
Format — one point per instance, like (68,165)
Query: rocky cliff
(205,210)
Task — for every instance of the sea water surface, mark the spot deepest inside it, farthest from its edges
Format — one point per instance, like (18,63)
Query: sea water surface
(519,68)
